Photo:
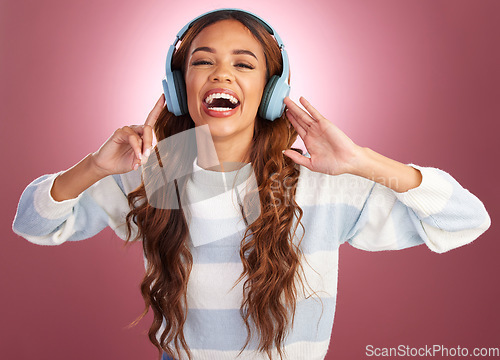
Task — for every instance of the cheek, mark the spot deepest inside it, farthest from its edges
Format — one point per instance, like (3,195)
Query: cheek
(255,90)
(190,85)
(192,90)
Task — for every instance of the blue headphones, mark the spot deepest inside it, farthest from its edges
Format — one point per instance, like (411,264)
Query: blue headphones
(277,88)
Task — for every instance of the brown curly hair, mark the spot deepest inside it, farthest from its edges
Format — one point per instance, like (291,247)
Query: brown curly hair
(271,258)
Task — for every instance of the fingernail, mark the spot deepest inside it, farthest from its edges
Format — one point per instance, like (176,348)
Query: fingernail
(139,155)
(282,151)
(147,152)
(136,166)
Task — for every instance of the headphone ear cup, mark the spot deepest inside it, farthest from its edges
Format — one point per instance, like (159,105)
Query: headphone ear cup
(180,88)
(170,94)
(272,104)
(266,97)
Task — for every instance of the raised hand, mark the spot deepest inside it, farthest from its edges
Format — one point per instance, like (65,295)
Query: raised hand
(332,152)
(128,146)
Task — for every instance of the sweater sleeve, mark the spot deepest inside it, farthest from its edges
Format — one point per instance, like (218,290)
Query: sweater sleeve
(44,221)
(439,212)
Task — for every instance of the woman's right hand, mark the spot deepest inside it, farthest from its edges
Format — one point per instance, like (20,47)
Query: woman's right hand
(128,146)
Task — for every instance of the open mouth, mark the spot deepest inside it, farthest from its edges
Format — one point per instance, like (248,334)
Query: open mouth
(221,102)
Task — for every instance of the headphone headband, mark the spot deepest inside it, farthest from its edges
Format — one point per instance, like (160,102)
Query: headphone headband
(268,27)
(272,105)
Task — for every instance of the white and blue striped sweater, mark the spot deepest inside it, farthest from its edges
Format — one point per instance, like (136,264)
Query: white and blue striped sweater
(337,209)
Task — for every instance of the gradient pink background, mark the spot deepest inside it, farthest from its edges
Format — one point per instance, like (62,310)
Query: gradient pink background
(417,81)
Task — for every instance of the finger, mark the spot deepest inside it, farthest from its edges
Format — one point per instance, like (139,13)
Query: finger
(136,144)
(139,129)
(300,130)
(146,133)
(315,113)
(292,106)
(303,118)
(297,158)
(153,115)
(134,140)
(147,140)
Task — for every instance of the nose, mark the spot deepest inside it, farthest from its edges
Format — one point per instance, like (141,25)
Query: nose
(222,73)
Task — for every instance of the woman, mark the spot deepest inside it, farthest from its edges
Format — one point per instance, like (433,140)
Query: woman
(240,238)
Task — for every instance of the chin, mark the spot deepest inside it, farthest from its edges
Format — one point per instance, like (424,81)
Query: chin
(220,130)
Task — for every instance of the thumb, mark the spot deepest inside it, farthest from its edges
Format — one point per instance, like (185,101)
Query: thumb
(297,158)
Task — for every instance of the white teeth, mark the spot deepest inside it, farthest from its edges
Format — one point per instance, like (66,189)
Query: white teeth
(220,109)
(211,97)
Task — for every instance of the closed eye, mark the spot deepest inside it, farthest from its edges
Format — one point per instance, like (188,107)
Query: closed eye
(245,66)
(202,62)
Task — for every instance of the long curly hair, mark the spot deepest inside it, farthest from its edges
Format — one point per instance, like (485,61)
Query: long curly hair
(270,256)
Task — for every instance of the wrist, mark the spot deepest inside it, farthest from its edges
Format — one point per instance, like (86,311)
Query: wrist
(363,163)
(94,170)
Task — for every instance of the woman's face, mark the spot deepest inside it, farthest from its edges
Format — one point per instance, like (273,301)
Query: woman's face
(225,78)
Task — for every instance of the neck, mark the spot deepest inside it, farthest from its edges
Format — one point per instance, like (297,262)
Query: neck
(221,154)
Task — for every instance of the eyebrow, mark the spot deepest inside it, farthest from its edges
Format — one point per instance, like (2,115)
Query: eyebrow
(234,52)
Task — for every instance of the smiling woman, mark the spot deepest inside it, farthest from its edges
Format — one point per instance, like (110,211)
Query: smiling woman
(241,253)
(234,65)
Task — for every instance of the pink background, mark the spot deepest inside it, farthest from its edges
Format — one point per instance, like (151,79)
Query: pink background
(417,81)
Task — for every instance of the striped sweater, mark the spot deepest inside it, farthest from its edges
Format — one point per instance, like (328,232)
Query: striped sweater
(439,213)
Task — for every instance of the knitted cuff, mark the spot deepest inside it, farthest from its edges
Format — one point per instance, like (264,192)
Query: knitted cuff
(431,196)
(45,204)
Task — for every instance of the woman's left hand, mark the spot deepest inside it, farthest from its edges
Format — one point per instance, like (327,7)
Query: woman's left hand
(332,152)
